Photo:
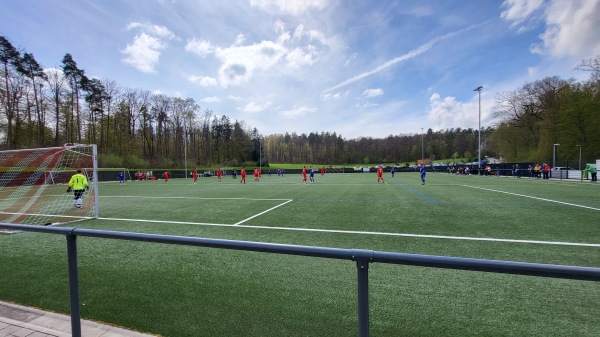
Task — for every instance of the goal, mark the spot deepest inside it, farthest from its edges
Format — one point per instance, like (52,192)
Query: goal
(33,184)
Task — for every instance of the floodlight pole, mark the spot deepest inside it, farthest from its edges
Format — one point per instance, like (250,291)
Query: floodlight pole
(579,167)
(478,89)
(554,156)
(422,149)
(259,155)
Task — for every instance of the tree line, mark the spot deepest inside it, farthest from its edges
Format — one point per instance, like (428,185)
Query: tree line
(41,107)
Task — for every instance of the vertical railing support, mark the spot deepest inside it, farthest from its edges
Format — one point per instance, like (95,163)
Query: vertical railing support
(362,268)
(74,285)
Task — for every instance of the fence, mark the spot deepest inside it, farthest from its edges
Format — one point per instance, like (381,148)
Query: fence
(362,258)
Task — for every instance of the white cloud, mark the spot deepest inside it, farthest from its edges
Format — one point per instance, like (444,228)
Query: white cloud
(239,40)
(160,31)
(239,63)
(572,28)
(350,59)
(372,93)
(298,111)
(204,81)
(449,113)
(519,10)
(255,107)
(211,99)
(290,6)
(286,54)
(299,57)
(144,53)
(234,98)
(200,47)
(56,72)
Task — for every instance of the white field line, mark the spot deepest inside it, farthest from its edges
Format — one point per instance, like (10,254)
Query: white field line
(528,196)
(50,215)
(193,198)
(261,213)
(363,233)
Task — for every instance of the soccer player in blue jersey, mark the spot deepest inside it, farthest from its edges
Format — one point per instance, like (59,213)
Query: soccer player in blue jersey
(423,173)
(121,178)
(312,175)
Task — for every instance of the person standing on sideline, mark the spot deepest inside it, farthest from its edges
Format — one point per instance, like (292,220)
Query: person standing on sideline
(121,178)
(423,173)
(195,175)
(546,170)
(243,174)
(166,176)
(393,171)
(78,184)
(312,175)
(592,170)
(380,174)
(304,175)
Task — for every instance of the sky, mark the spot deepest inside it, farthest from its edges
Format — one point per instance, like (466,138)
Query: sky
(355,67)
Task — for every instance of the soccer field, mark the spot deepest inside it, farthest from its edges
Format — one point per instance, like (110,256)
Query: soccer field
(192,291)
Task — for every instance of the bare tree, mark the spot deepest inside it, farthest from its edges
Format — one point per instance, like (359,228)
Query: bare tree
(56,83)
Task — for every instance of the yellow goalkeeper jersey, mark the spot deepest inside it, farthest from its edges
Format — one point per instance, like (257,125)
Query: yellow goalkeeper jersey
(78,182)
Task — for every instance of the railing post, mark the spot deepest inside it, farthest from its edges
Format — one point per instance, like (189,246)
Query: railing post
(74,285)
(362,268)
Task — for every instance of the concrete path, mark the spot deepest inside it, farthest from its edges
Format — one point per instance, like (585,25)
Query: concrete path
(19,321)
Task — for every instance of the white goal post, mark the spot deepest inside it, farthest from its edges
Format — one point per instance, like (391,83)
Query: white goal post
(33,184)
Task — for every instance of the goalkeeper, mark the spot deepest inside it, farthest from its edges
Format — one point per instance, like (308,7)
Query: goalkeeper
(78,184)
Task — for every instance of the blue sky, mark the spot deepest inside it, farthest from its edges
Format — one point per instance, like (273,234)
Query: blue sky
(358,68)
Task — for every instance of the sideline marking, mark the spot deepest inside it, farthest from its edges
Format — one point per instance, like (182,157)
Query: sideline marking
(528,196)
(363,233)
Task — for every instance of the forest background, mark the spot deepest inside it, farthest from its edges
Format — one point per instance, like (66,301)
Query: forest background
(133,128)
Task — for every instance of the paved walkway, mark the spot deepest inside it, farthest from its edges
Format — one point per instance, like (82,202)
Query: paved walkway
(19,321)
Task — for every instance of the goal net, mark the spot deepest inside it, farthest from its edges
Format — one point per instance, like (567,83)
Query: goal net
(33,184)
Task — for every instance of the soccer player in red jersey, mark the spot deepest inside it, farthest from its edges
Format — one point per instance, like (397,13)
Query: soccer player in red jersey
(195,175)
(219,173)
(256,174)
(166,176)
(243,174)
(304,175)
(380,174)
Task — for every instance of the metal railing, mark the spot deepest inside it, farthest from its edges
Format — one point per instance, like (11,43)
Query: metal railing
(362,258)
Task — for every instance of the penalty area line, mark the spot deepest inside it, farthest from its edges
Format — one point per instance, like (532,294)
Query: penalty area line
(536,198)
(261,213)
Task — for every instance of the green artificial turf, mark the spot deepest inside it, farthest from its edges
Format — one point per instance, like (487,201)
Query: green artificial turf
(192,291)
